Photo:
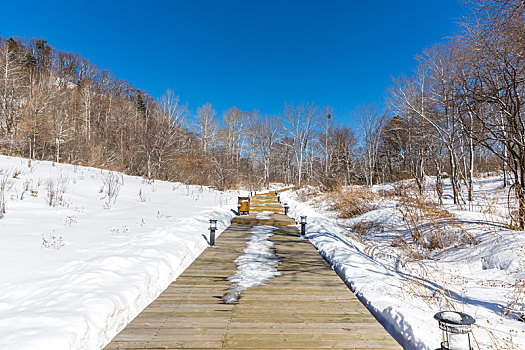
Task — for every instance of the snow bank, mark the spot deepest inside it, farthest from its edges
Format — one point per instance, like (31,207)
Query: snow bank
(74,274)
(376,286)
(484,280)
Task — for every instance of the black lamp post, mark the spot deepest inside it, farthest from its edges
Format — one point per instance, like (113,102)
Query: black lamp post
(238,208)
(303,225)
(286,207)
(279,199)
(213,228)
(456,328)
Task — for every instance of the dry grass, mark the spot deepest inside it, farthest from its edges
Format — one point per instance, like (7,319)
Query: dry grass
(350,202)
(362,228)
(431,226)
(307,193)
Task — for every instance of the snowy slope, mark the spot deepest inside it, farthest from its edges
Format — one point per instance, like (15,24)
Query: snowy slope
(486,279)
(73,274)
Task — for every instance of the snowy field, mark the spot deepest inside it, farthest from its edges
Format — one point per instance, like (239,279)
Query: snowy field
(482,275)
(83,251)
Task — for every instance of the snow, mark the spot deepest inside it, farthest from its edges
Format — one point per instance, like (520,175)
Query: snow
(265,215)
(256,266)
(451,317)
(74,274)
(480,271)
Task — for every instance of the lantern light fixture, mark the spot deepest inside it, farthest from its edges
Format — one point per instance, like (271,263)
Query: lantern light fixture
(213,228)
(456,328)
(303,225)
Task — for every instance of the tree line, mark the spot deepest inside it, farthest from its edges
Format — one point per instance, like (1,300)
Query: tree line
(58,106)
(460,112)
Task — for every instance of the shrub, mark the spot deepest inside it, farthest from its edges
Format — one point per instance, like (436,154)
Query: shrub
(5,185)
(112,182)
(55,190)
(52,242)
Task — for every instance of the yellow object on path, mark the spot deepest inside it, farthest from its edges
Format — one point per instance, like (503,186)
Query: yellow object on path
(244,207)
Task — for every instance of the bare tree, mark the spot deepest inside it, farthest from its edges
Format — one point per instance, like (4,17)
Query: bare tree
(207,126)
(494,74)
(266,131)
(235,121)
(11,85)
(60,127)
(327,125)
(172,110)
(432,96)
(371,124)
(301,122)
(34,123)
(341,168)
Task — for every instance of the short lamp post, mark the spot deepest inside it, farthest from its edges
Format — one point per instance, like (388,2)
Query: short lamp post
(276,192)
(279,199)
(303,225)
(238,208)
(456,328)
(286,207)
(213,228)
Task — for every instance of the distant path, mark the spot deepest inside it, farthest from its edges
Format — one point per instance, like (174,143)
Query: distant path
(307,306)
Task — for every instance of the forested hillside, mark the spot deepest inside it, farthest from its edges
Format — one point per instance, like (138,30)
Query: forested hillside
(58,106)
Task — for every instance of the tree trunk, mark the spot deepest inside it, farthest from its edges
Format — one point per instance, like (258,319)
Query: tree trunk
(58,151)
(439,182)
(520,186)
(472,155)
(453,176)
(471,171)
(505,156)
(300,168)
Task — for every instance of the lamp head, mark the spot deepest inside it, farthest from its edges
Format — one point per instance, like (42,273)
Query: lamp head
(456,327)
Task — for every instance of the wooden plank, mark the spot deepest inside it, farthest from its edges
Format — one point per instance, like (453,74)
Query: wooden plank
(275,220)
(307,306)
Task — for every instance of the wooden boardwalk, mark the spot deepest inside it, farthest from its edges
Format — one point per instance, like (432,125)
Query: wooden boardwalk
(306,307)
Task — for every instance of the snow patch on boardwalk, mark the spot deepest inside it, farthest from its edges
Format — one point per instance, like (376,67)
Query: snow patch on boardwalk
(256,266)
(265,215)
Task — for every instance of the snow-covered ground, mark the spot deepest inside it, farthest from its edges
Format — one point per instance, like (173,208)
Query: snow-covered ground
(77,266)
(482,276)
(80,256)
(404,285)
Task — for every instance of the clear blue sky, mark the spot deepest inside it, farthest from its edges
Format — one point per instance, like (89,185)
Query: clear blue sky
(246,53)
